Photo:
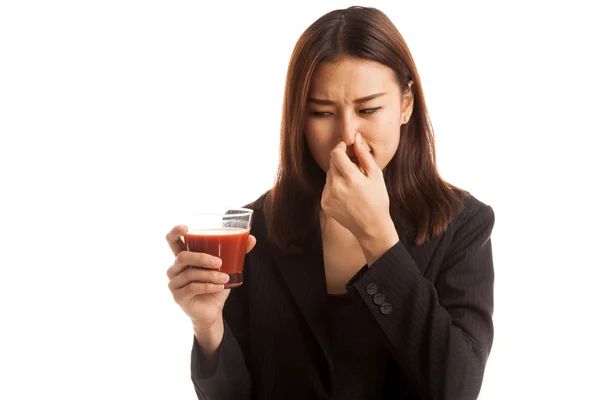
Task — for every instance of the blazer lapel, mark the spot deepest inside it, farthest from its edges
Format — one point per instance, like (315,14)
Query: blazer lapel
(304,276)
(422,254)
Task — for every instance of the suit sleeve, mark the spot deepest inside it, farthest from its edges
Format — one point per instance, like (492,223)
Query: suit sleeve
(439,333)
(231,379)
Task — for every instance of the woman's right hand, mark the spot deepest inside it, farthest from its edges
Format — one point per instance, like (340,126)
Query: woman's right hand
(196,283)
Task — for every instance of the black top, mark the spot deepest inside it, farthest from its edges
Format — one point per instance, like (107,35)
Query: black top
(358,355)
(429,305)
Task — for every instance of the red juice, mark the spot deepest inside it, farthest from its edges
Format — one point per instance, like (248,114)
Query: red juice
(229,244)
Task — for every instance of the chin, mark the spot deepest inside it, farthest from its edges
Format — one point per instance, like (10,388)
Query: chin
(324,167)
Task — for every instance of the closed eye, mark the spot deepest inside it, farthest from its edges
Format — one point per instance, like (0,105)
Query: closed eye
(321,114)
(369,110)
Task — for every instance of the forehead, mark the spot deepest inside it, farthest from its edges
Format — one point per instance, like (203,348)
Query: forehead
(352,77)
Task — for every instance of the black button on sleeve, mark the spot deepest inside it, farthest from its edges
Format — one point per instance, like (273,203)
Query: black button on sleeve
(379,299)
(372,288)
(385,308)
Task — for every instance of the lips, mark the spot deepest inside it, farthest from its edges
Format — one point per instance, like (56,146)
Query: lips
(354,159)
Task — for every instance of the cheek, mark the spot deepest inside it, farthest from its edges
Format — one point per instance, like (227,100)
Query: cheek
(385,135)
(320,142)
(384,139)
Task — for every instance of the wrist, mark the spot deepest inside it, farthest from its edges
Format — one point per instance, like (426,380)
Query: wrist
(210,338)
(375,244)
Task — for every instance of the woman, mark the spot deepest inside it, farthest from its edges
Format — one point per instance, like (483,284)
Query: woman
(367,276)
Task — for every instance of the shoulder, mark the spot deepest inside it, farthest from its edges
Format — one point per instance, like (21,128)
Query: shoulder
(258,217)
(258,204)
(474,216)
(472,206)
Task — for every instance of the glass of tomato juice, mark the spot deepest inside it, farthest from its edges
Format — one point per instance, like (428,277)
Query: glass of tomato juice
(222,234)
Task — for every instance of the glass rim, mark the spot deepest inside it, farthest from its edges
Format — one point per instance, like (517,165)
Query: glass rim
(242,213)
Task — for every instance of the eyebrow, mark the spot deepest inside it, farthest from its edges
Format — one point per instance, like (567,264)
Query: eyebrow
(356,101)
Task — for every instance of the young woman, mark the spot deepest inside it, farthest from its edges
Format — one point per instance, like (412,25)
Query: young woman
(367,276)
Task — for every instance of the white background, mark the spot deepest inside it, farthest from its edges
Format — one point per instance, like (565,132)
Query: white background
(115,114)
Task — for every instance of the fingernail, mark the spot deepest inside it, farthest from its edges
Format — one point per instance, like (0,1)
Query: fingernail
(225,278)
(216,262)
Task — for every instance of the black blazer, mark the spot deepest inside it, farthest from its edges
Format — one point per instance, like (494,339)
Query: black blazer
(436,322)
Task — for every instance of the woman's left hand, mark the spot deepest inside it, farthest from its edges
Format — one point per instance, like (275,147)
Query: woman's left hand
(356,195)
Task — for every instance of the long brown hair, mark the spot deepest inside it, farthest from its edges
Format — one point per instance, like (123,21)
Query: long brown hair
(417,192)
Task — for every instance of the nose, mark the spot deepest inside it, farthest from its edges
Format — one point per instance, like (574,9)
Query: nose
(348,127)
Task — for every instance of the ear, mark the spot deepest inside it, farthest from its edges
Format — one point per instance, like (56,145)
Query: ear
(407,103)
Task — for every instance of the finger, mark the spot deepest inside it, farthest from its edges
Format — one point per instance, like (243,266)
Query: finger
(328,177)
(195,274)
(333,172)
(326,190)
(186,259)
(340,160)
(364,156)
(196,289)
(250,244)
(174,239)
(334,169)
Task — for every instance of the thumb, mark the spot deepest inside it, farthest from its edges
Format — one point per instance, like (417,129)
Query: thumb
(363,154)
(250,244)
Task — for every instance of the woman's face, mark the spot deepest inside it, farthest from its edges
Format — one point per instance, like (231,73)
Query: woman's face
(351,96)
